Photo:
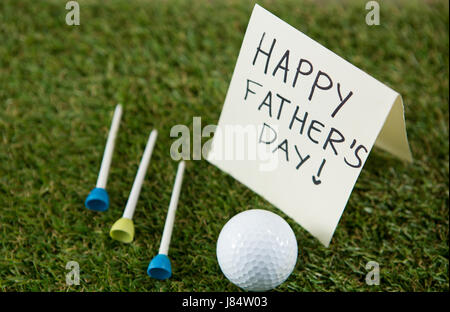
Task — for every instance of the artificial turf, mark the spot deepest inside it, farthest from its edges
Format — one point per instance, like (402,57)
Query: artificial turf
(166,62)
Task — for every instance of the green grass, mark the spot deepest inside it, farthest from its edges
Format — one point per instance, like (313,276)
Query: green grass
(168,61)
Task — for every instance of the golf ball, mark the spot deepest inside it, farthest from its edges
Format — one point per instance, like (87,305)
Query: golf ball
(257,250)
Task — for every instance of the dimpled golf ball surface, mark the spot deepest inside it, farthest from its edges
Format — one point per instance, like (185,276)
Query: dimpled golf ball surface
(257,250)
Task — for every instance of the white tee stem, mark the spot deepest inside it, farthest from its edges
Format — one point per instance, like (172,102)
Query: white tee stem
(140,175)
(107,154)
(167,234)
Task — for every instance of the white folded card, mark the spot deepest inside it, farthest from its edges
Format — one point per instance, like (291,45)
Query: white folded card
(299,122)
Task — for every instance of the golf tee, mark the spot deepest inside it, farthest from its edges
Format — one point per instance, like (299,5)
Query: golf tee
(140,175)
(165,240)
(107,155)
